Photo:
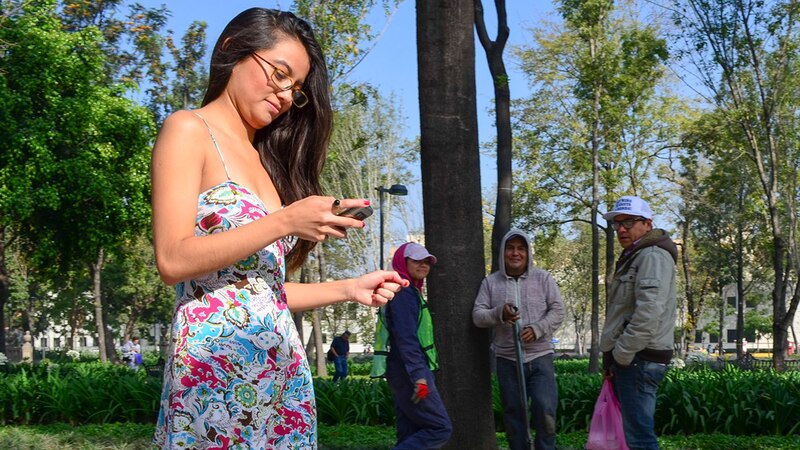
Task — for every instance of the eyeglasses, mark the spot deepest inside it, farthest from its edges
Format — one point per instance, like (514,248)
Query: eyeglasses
(283,82)
(627,223)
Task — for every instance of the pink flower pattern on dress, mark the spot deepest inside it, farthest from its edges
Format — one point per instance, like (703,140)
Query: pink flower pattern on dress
(237,376)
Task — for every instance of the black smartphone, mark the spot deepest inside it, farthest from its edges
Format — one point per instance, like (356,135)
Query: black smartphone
(358,212)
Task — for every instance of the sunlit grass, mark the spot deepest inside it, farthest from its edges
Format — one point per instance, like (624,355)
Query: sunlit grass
(341,437)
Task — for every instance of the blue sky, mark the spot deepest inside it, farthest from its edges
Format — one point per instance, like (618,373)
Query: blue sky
(392,64)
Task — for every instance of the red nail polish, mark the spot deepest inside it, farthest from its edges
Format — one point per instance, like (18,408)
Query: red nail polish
(366,202)
(363,224)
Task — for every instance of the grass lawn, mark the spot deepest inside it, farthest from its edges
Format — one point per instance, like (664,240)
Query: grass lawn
(344,437)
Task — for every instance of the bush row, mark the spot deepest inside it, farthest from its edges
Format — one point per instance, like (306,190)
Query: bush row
(728,401)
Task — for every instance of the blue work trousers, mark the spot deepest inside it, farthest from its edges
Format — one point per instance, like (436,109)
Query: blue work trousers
(542,392)
(635,387)
(421,426)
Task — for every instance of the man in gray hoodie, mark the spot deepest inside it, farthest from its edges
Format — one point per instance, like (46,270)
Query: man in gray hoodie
(520,292)
(638,335)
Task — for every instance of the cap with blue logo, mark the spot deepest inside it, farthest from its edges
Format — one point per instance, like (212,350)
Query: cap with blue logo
(630,205)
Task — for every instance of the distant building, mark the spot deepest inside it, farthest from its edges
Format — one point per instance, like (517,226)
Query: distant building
(757,301)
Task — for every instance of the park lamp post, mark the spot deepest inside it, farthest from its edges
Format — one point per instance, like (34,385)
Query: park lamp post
(396,189)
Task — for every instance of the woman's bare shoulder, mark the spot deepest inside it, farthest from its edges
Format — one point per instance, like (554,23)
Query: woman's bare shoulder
(183,121)
(181,132)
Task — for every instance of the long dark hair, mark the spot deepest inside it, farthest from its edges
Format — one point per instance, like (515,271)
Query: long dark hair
(293,146)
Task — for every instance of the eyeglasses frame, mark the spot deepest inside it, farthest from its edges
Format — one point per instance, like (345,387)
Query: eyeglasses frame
(295,90)
(627,223)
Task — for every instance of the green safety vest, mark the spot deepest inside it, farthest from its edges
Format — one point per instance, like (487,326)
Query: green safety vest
(424,334)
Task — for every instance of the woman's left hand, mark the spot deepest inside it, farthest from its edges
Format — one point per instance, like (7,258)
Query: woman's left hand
(377,288)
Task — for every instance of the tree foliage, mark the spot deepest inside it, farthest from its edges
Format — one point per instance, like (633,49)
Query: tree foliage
(745,56)
(594,126)
(74,180)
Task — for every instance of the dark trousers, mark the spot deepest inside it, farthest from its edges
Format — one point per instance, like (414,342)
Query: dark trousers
(340,367)
(420,426)
(542,391)
(635,386)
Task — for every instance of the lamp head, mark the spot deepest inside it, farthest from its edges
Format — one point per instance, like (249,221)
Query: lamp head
(398,189)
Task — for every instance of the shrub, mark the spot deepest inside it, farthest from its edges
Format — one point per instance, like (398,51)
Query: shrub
(730,401)
(77,393)
(361,401)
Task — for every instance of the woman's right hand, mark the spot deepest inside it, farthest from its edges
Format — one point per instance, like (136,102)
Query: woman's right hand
(314,218)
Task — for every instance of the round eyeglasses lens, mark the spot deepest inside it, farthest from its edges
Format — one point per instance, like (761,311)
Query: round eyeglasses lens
(299,98)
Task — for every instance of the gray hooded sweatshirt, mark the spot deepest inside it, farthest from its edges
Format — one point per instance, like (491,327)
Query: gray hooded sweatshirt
(536,295)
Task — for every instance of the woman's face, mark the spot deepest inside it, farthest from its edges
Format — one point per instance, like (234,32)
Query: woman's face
(418,270)
(256,82)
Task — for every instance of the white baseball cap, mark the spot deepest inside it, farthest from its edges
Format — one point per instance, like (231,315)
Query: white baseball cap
(418,252)
(630,205)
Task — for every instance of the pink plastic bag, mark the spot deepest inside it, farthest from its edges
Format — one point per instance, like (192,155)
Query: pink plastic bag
(605,431)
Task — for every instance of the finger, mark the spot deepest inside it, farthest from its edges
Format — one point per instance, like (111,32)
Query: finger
(340,232)
(389,286)
(378,300)
(384,293)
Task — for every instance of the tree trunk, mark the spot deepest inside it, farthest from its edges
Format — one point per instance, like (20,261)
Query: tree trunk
(98,305)
(502,107)
(322,367)
(4,288)
(297,317)
(740,303)
(722,306)
(73,325)
(451,193)
(691,310)
(594,360)
(110,339)
(610,269)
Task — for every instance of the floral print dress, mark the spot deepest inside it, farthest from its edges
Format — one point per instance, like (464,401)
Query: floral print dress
(237,375)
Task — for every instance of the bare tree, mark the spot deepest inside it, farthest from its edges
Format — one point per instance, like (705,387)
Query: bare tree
(502,100)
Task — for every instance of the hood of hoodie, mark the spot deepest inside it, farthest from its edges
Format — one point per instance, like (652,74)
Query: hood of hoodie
(501,251)
(399,265)
(655,237)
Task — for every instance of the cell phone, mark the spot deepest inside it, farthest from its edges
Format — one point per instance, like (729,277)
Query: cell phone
(358,212)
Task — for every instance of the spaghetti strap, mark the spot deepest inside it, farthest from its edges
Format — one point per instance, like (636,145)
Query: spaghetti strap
(216,146)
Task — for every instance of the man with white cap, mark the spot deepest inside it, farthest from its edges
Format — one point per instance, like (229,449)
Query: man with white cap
(638,334)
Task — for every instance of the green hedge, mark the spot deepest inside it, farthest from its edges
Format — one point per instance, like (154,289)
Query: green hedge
(728,401)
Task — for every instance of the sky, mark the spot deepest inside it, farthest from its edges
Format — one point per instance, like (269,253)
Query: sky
(391,65)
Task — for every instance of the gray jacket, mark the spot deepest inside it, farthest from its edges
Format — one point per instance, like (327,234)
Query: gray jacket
(641,313)
(536,295)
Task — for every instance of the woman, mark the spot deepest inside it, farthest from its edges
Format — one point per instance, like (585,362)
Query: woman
(422,421)
(236,204)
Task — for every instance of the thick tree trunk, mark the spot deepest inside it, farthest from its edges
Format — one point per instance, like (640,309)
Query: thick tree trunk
(451,193)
